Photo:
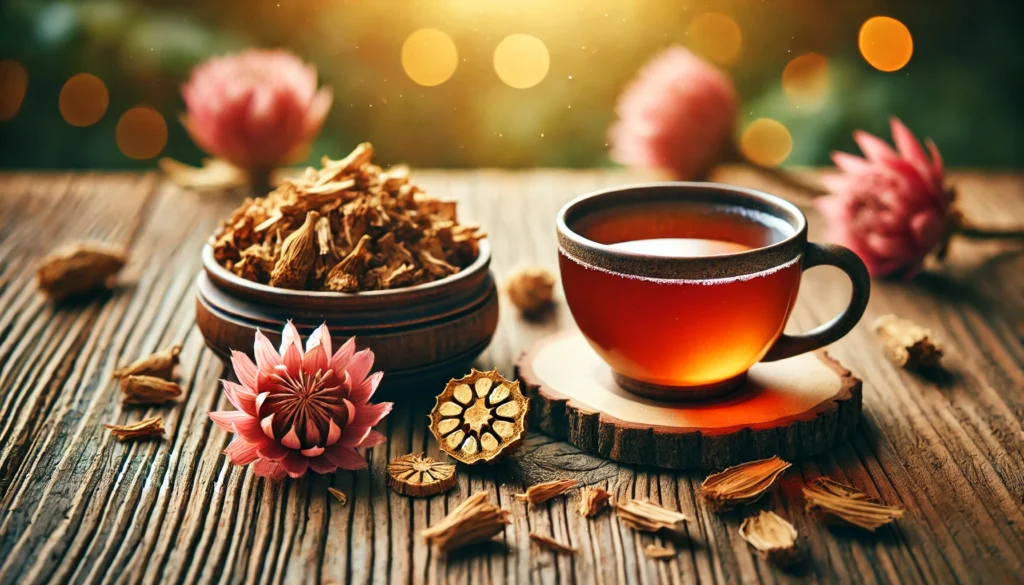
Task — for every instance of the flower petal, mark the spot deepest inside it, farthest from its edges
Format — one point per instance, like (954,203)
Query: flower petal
(345,457)
(907,144)
(295,464)
(320,337)
(272,450)
(352,436)
(290,336)
(369,415)
(341,357)
(362,392)
(293,359)
(315,360)
(322,465)
(240,397)
(241,452)
(291,439)
(249,428)
(873,147)
(373,439)
(359,366)
(270,469)
(333,433)
(266,356)
(850,163)
(312,451)
(244,369)
(225,419)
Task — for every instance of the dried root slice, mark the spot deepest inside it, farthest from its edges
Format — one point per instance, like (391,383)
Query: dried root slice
(659,553)
(150,427)
(419,476)
(474,520)
(551,544)
(837,501)
(741,484)
(542,492)
(593,501)
(770,534)
(531,289)
(649,517)
(907,344)
(148,390)
(79,269)
(160,364)
(479,418)
(338,495)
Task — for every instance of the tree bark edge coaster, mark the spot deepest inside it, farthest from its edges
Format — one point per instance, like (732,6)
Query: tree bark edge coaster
(794,408)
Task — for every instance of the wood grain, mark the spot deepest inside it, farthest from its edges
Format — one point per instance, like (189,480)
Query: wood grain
(76,506)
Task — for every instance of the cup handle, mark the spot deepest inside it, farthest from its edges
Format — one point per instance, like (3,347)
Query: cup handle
(822,335)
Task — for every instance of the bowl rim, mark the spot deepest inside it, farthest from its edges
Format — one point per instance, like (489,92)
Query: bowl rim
(218,272)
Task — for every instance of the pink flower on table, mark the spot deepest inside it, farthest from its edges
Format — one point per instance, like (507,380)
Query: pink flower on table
(676,115)
(254,109)
(891,207)
(300,410)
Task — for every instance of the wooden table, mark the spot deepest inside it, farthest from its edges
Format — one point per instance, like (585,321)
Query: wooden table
(77,506)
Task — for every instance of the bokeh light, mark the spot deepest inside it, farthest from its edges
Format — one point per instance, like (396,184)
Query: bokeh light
(521,61)
(885,43)
(13,83)
(716,36)
(141,133)
(429,57)
(83,100)
(805,80)
(766,142)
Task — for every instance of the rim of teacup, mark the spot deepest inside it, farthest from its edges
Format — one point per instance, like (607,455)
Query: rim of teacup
(747,263)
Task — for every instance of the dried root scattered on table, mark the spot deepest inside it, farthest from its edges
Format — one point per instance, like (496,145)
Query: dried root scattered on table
(479,418)
(419,476)
(741,484)
(148,390)
(349,226)
(542,492)
(474,520)
(530,289)
(845,504)
(659,553)
(80,269)
(338,495)
(160,364)
(907,344)
(551,544)
(593,500)
(143,429)
(773,536)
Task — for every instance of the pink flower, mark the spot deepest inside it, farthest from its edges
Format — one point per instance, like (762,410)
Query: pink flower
(891,207)
(677,115)
(301,410)
(254,109)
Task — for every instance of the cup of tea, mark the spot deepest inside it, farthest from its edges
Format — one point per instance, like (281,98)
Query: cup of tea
(682,287)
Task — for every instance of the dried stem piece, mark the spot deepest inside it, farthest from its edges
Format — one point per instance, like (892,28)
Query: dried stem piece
(150,427)
(148,390)
(659,553)
(474,520)
(542,492)
(551,544)
(530,289)
(770,534)
(338,495)
(419,476)
(741,484)
(479,418)
(907,344)
(79,269)
(160,364)
(649,517)
(593,500)
(837,501)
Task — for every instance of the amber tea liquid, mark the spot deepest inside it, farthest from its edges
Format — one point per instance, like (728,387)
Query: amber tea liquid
(681,332)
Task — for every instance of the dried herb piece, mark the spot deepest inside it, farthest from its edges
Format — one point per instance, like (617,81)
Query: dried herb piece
(530,289)
(338,495)
(770,534)
(480,417)
(376,230)
(741,484)
(648,517)
(215,174)
(79,269)
(542,492)
(907,344)
(419,476)
(298,252)
(551,544)
(593,500)
(474,520)
(160,364)
(150,427)
(148,390)
(659,553)
(837,501)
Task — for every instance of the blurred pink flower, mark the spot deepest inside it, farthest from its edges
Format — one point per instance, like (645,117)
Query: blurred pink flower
(676,115)
(255,108)
(890,208)
(301,410)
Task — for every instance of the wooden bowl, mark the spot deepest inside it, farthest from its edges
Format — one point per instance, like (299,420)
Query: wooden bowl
(424,333)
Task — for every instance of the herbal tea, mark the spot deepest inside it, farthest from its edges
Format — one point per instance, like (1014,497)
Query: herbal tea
(680,332)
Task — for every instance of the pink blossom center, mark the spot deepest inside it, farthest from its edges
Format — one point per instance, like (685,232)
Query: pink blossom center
(303,411)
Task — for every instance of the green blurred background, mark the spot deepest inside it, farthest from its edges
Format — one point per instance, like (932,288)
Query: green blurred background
(964,85)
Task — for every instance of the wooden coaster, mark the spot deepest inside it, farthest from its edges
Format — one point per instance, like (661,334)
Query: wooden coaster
(793,408)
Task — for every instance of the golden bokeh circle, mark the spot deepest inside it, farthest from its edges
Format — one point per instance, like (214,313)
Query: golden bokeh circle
(13,83)
(141,133)
(766,142)
(83,100)
(805,79)
(716,36)
(521,61)
(429,57)
(885,43)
